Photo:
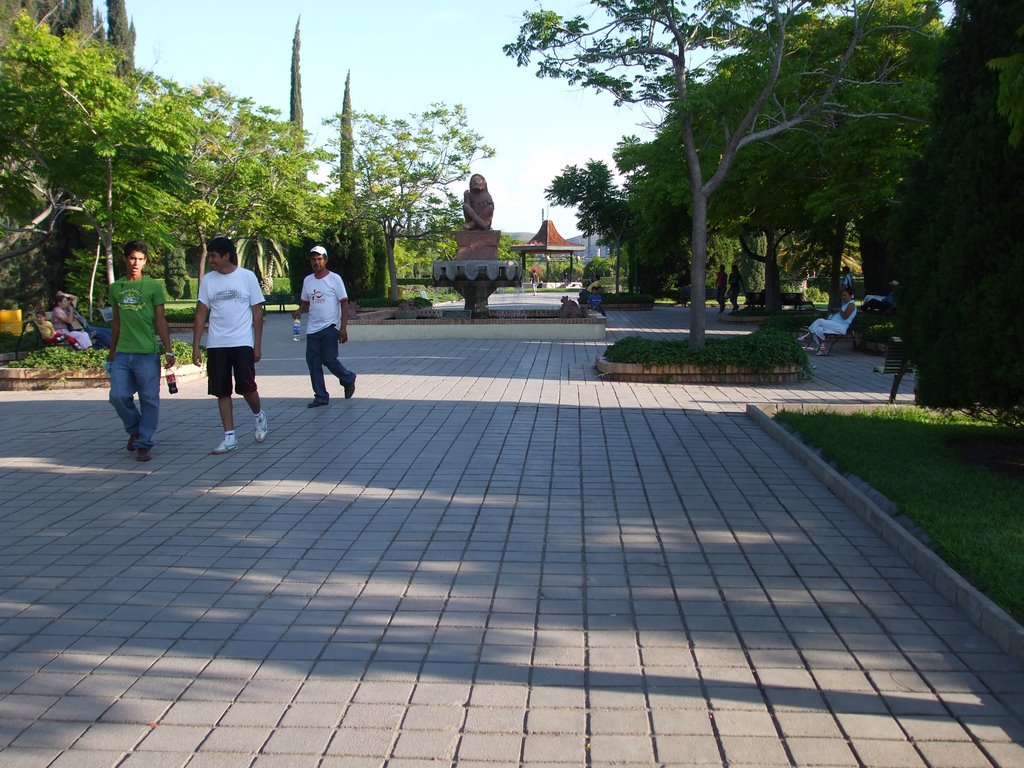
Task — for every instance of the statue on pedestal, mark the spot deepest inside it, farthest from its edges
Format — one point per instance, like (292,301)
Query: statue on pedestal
(476,272)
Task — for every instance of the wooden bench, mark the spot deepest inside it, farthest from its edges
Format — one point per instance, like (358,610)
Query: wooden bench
(896,363)
(280,299)
(35,338)
(795,300)
(832,338)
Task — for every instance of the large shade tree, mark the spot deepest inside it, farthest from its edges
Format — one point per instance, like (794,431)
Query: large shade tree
(75,138)
(665,52)
(404,170)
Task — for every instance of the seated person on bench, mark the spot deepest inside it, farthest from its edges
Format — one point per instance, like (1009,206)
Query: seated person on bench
(63,316)
(875,303)
(47,332)
(594,299)
(837,323)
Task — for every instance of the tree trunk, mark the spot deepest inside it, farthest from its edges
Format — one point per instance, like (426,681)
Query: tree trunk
(92,278)
(202,255)
(876,265)
(389,244)
(836,260)
(772,287)
(698,269)
(107,236)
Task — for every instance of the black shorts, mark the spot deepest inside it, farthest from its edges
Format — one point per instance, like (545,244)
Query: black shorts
(224,362)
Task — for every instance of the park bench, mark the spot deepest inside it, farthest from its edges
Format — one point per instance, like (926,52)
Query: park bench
(30,334)
(795,300)
(280,299)
(896,363)
(831,339)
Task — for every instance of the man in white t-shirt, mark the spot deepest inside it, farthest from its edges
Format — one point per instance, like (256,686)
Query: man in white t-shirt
(325,299)
(232,299)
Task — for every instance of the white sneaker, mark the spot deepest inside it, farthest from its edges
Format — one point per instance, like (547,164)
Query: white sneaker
(261,427)
(226,446)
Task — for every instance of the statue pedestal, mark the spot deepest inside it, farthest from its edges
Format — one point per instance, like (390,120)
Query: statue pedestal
(477,244)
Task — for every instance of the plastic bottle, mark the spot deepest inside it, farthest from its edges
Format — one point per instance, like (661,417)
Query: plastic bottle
(172,383)
(296,330)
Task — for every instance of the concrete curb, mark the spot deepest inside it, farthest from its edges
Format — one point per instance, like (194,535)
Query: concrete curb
(988,617)
(695,374)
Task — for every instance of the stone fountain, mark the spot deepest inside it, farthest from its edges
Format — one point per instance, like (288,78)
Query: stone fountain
(476,272)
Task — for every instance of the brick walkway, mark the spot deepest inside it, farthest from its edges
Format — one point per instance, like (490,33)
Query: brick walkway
(489,557)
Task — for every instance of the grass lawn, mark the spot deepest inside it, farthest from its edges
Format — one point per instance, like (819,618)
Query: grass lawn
(973,514)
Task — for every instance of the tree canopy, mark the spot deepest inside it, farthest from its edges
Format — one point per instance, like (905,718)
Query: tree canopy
(668,53)
(602,208)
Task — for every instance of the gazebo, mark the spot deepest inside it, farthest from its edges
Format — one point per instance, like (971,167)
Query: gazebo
(547,242)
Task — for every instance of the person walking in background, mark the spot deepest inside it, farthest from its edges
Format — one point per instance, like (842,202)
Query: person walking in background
(720,283)
(138,318)
(735,286)
(325,299)
(846,280)
(230,296)
(533,281)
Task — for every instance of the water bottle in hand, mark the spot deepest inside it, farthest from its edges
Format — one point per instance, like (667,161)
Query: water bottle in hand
(296,329)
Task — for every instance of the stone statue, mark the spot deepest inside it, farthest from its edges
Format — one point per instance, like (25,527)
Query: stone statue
(477,204)
(569,309)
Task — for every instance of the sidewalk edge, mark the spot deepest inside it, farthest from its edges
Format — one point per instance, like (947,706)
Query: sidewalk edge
(993,621)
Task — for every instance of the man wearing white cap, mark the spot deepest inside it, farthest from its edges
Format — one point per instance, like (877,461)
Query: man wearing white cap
(325,299)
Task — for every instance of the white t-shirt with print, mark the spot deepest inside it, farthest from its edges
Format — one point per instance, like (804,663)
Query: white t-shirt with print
(324,296)
(230,298)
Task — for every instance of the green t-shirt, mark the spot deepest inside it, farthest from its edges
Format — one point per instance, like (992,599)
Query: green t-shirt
(136,302)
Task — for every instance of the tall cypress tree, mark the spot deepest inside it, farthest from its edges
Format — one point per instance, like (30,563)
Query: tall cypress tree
(75,16)
(959,232)
(347,153)
(295,115)
(121,35)
(355,244)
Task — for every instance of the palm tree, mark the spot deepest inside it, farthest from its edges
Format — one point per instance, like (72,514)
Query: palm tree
(264,256)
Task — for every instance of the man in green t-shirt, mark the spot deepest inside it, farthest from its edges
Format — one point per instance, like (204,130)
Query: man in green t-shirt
(134,356)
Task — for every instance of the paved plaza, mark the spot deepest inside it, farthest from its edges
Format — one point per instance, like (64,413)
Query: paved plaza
(489,557)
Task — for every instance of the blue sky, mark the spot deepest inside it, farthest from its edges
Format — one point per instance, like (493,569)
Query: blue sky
(403,55)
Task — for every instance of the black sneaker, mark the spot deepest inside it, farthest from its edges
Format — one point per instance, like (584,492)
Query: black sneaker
(350,389)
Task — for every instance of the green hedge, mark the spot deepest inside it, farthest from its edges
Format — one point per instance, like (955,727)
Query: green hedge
(760,351)
(627,298)
(92,359)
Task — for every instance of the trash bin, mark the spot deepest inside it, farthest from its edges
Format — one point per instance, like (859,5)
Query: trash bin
(10,321)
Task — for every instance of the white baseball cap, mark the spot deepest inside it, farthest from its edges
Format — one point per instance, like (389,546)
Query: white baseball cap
(318,249)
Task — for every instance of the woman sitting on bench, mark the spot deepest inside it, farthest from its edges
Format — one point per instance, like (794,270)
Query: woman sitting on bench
(837,323)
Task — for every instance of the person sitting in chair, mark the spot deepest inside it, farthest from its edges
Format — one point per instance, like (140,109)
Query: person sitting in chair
(836,323)
(594,299)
